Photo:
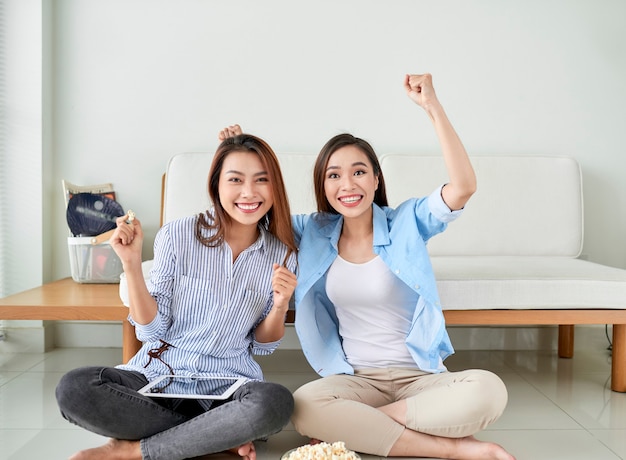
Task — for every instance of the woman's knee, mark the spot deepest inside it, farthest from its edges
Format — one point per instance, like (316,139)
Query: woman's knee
(496,394)
(280,398)
(460,404)
(308,396)
(490,391)
(73,384)
(489,398)
(284,403)
(309,401)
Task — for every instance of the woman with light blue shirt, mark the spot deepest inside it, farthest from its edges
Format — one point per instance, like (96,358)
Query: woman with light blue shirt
(368,314)
(218,293)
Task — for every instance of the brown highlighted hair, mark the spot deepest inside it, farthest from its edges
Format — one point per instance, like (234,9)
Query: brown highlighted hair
(277,220)
(321,163)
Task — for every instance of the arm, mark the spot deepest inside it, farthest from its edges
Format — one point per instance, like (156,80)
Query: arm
(272,328)
(462,184)
(126,242)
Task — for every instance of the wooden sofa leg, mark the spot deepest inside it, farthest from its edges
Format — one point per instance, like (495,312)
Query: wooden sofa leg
(618,359)
(130,344)
(566,340)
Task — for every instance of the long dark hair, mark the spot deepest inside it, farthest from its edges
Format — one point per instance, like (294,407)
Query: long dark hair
(321,163)
(277,220)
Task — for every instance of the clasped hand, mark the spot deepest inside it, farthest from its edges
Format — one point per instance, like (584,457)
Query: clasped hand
(283,284)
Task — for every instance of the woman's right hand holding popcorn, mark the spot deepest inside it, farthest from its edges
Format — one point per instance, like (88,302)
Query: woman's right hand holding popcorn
(127,240)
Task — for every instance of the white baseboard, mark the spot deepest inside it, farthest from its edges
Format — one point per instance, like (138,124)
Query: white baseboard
(38,337)
(96,334)
(504,337)
(90,334)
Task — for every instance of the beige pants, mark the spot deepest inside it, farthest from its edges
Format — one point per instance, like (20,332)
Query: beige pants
(450,404)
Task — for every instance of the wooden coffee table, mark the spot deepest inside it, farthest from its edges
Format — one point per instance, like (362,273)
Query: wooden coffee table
(66,299)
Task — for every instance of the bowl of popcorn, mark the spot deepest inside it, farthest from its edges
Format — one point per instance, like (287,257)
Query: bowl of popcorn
(321,451)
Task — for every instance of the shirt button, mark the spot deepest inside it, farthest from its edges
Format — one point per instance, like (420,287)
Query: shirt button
(397,272)
(417,286)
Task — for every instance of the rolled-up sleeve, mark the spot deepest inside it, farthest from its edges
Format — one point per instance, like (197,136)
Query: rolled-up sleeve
(145,332)
(439,208)
(268,348)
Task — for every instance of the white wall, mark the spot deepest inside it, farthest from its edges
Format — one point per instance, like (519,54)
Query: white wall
(24,155)
(21,170)
(136,81)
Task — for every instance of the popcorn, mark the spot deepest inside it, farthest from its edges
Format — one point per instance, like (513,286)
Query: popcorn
(322,451)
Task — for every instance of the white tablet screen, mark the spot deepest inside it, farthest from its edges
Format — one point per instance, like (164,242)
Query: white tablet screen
(198,387)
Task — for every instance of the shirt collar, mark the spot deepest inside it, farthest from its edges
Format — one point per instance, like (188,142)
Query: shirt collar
(260,241)
(381,229)
(331,228)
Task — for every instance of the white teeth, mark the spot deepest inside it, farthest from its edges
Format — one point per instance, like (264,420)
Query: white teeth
(248,207)
(351,199)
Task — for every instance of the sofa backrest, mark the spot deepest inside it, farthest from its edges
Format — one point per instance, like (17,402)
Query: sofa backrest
(525,205)
(185,189)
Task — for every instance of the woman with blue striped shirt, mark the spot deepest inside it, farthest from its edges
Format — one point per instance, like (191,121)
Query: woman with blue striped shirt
(219,291)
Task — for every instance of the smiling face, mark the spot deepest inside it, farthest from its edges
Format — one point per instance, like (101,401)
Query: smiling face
(245,190)
(350,182)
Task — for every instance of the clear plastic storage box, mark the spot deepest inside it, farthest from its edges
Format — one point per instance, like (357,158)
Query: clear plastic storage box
(93,263)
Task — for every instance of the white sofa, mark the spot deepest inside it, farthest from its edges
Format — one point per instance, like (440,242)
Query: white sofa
(511,259)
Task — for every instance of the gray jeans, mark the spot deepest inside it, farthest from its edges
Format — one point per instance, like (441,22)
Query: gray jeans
(105,400)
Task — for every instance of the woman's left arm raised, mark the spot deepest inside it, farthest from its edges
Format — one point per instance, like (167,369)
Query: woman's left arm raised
(462,179)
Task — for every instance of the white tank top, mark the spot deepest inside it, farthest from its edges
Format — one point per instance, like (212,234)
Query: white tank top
(375,310)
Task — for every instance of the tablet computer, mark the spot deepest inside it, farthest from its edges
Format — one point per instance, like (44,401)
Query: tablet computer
(192,387)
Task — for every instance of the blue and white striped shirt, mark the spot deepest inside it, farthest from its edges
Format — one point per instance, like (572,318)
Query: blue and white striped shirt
(208,306)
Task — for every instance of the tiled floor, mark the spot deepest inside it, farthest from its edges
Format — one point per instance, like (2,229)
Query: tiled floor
(558,409)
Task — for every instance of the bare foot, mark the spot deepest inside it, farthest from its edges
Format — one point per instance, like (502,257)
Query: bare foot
(115,449)
(415,444)
(246,451)
(471,448)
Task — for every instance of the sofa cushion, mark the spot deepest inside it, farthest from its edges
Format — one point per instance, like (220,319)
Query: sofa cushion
(473,283)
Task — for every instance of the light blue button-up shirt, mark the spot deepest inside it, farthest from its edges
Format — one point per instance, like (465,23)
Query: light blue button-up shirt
(400,237)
